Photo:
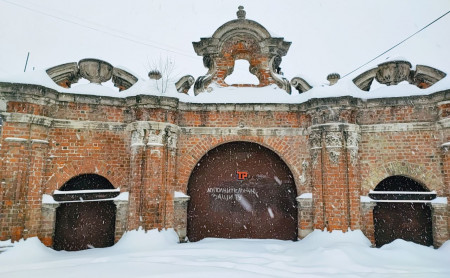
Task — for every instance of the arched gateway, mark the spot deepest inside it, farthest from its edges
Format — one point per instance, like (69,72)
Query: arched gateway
(402,211)
(242,190)
(82,222)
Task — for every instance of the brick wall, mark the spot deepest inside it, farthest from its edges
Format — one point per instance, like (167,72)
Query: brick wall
(337,149)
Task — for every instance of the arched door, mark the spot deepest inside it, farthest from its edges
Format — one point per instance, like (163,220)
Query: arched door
(393,219)
(84,224)
(242,190)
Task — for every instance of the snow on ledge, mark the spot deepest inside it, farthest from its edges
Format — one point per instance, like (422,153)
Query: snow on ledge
(440,200)
(59,192)
(305,196)
(180,196)
(437,200)
(48,199)
(366,199)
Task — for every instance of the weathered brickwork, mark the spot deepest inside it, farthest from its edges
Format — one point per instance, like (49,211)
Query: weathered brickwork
(337,149)
(338,154)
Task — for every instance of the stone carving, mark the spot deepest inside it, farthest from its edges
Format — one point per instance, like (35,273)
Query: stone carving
(240,13)
(172,138)
(94,70)
(241,39)
(155,137)
(334,156)
(282,82)
(64,75)
(394,72)
(314,156)
(353,139)
(123,79)
(137,138)
(184,84)
(304,171)
(300,84)
(315,139)
(333,140)
(154,74)
(333,78)
(365,79)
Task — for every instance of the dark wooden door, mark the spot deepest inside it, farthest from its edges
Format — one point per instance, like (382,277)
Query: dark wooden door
(84,225)
(225,205)
(408,221)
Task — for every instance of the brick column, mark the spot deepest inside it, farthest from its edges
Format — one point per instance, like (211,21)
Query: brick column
(13,176)
(440,229)
(335,193)
(48,219)
(153,180)
(170,178)
(305,212)
(121,218)
(180,216)
(137,161)
(352,136)
(38,154)
(318,210)
(367,223)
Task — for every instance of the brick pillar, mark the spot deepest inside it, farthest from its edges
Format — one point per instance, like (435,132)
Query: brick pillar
(121,218)
(336,194)
(440,229)
(315,142)
(305,212)
(13,177)
(335,176)
(445,156)
(48,221)
(38,154)
(170,179)
(180,216)
(352,138)
(137,161)
(367,223)
(153,180)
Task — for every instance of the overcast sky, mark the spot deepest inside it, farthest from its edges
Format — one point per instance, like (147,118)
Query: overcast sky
(326,36)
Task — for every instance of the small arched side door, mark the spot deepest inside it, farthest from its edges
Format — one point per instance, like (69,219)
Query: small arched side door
(402,219)
(83,224)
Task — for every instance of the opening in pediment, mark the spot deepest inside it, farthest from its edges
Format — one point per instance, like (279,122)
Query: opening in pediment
(241,74)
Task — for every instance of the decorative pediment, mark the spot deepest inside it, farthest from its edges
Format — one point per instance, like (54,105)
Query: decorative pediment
(241,39)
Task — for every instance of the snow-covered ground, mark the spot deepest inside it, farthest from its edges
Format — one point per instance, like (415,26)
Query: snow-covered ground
(157,254)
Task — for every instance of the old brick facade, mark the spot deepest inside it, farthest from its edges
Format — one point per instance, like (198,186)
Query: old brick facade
(338,149)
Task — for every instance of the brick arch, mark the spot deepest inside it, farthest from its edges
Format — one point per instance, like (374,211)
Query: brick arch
(87,167)
(279,146)
(401,168)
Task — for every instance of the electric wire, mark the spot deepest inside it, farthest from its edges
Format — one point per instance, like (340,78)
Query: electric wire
(386,51)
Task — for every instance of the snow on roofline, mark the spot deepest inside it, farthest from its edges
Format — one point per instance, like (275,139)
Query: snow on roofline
(259,95)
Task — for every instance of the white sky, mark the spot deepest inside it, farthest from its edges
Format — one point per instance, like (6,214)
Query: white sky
(327,36)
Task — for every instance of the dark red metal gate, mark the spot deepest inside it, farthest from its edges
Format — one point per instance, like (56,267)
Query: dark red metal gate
(84,225)
(408,221)
(402,220)
(242,190)
(88,224)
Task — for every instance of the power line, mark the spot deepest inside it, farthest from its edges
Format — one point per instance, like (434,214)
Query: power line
(398,44)
(114,34)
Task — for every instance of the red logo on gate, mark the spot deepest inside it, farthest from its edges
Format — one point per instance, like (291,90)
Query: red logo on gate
(242,175)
